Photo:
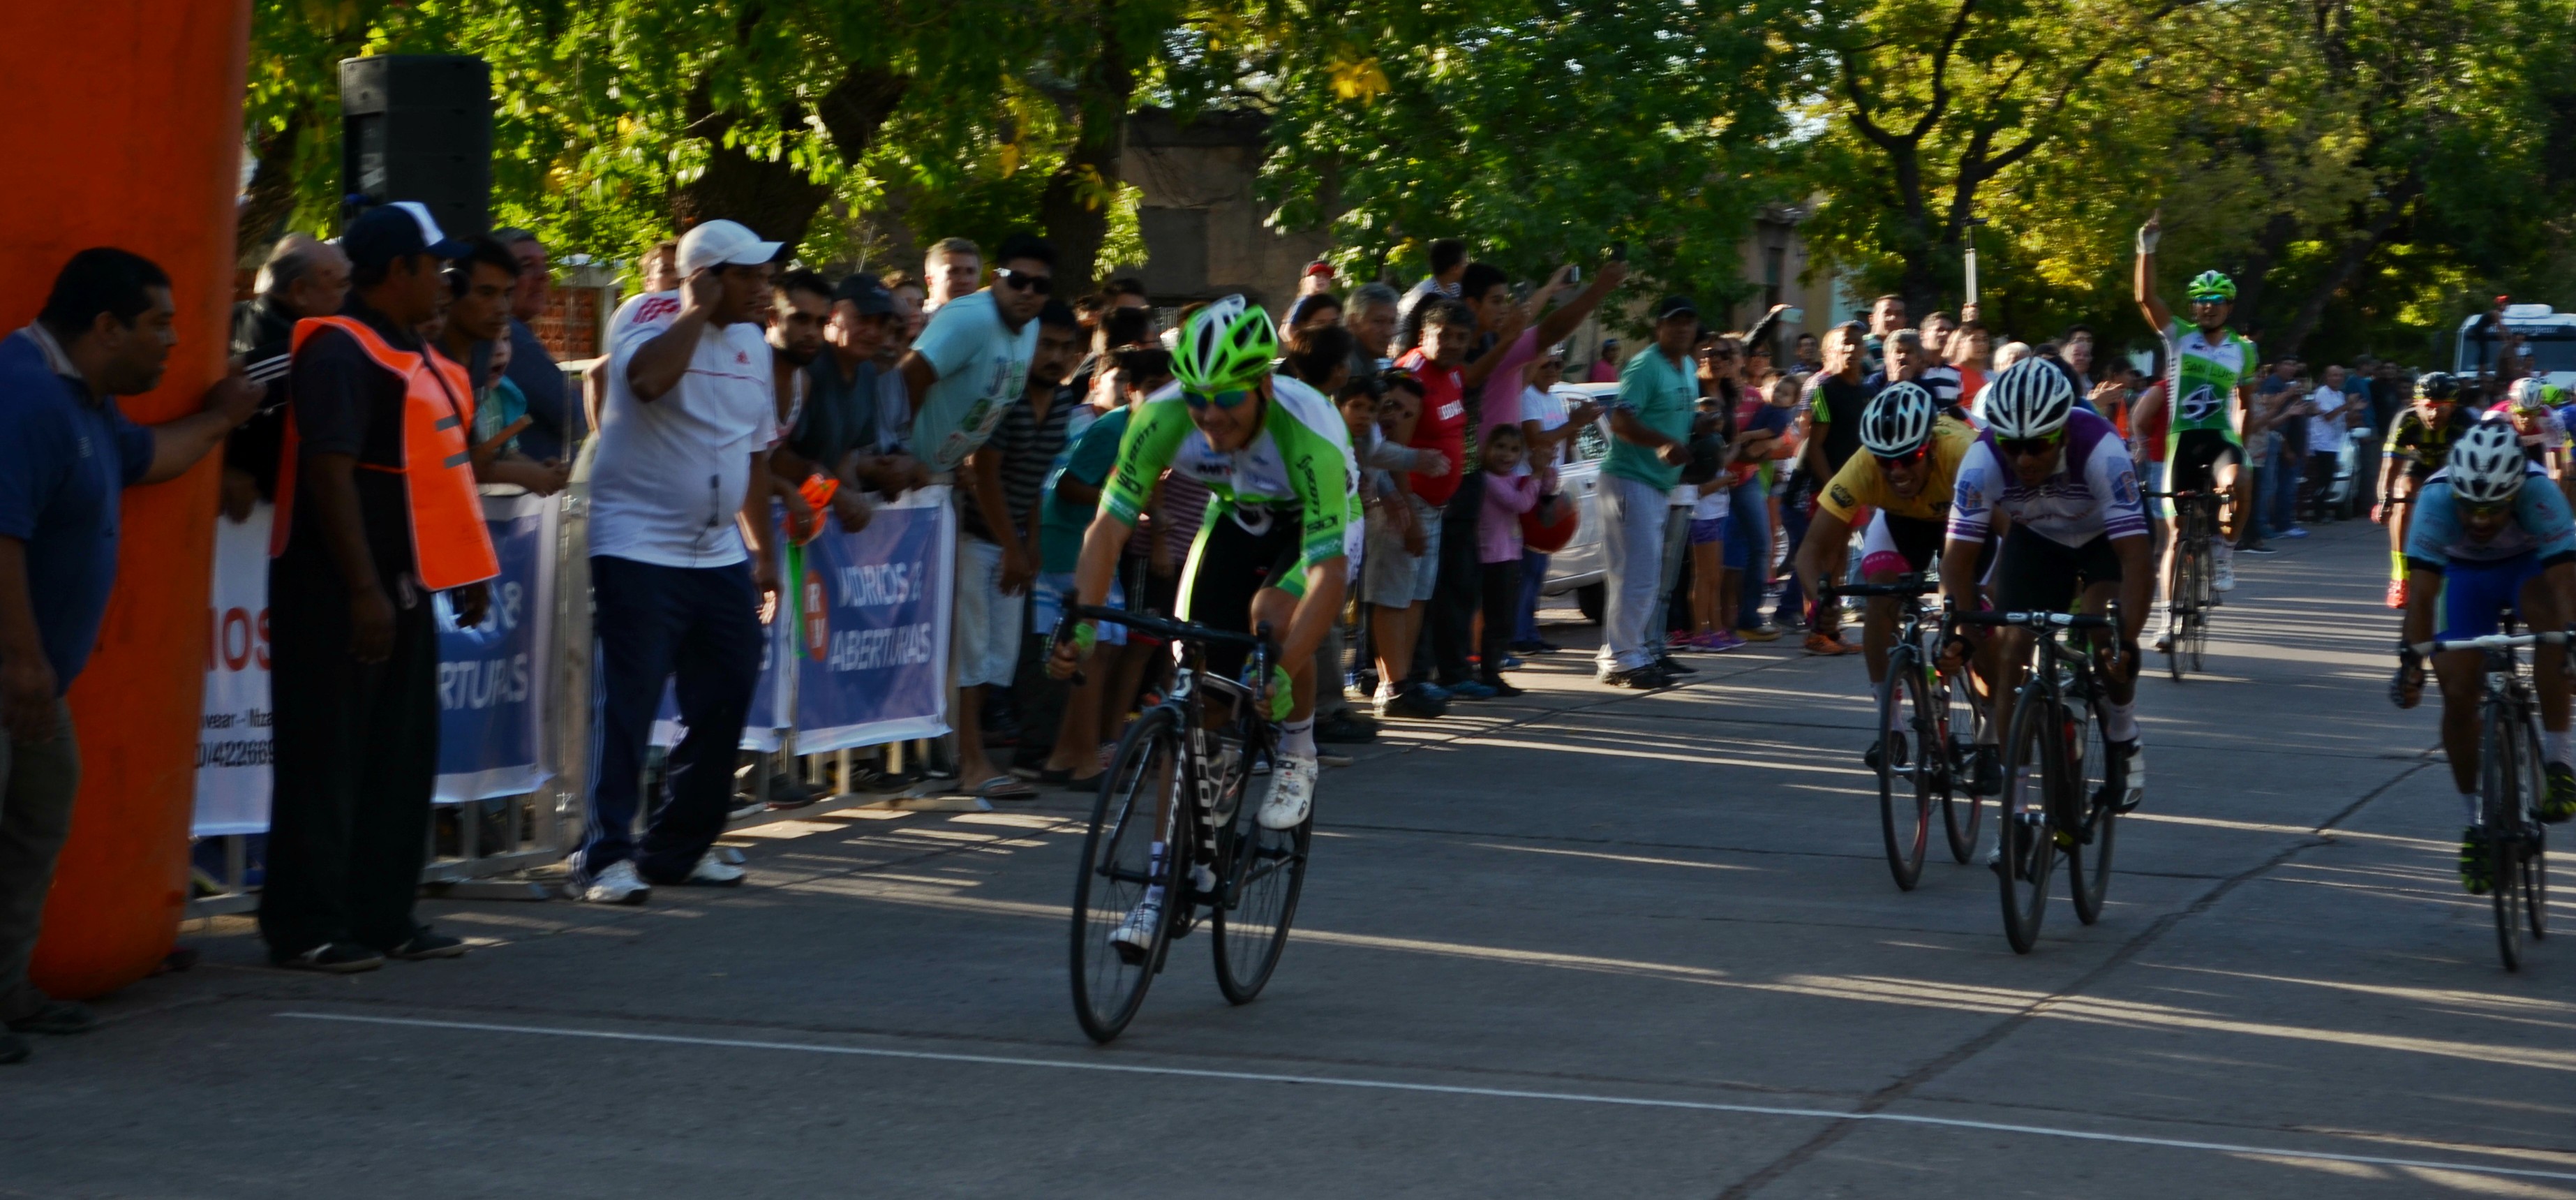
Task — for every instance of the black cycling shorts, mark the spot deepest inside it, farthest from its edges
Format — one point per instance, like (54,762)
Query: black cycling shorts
(1227,567)
(2195,458)
(2039,574)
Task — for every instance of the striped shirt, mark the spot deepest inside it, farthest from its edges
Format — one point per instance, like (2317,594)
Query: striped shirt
(1029,445)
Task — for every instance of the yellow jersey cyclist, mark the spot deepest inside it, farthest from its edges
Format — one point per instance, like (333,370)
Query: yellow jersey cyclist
(1910,454)
(2209,380)
(2491,532)
(1275,546)
(2419,442)
(2078,537)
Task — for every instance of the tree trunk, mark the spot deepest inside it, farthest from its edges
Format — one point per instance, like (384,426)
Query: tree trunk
(270,199)
(775,199)
(1075,206)
(2356,251)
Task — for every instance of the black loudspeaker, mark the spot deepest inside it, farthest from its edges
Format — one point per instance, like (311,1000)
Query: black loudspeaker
(419,127)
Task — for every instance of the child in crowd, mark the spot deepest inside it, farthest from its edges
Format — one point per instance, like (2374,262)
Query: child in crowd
(1508,494)
(1710,455)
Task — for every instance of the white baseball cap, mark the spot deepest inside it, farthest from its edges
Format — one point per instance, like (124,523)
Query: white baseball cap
(721,244)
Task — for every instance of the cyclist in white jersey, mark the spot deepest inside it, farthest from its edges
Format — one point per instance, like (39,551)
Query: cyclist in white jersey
(2078,537)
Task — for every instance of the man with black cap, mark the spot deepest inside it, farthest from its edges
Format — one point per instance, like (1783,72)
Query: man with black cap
(376,511)
(840,432)
(1650,425)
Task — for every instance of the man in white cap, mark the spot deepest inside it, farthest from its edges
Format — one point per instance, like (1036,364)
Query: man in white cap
(680,559)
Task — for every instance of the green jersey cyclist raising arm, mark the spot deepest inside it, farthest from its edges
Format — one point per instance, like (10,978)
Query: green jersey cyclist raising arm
(1275,547)
(2209,380)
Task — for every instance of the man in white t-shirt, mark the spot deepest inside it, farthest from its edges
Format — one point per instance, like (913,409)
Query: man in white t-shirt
(680,559)
(2330,414)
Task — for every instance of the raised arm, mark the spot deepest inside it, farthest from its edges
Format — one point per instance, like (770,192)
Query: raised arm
(1559,325)
(2149,302)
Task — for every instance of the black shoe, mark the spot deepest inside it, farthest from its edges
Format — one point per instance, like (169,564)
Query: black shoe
(1643,679)
(1673,666)
(1413,704)
(2477,865)
(787,791)
(1985,771)
(1346,729)
(1502,689)
(424,944)
(330,958)
(57,1017)
(1877,752)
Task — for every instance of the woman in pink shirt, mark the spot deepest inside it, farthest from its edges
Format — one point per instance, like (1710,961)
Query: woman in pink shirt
(1498,548)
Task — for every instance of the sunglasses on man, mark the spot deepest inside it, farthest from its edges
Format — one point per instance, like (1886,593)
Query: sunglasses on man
(1892,461)
(1227,399)
(1022,280)
(2026,447)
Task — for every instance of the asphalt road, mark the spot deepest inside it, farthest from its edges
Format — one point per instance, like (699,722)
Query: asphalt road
(1589,943)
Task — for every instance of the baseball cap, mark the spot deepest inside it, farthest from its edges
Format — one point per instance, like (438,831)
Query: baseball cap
(397,230)
(865,291)
(722,244)
(1320,267)
(1675,306)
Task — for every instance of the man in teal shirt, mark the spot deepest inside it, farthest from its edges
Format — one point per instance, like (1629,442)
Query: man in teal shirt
(1649,433)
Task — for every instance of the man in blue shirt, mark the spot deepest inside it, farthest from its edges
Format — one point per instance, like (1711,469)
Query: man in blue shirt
(66,455)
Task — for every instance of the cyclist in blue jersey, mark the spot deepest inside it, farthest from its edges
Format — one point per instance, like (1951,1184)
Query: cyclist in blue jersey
(2491,532)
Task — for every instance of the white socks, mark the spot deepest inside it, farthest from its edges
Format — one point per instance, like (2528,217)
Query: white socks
(1154,892)
(2221,549)
(2553,744)
(2121,724)
(2470,804)
(1895,719)
(1297,738)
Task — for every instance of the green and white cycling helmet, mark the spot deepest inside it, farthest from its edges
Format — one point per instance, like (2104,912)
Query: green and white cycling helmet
(2212,286)
(2486,465)
(1227,346)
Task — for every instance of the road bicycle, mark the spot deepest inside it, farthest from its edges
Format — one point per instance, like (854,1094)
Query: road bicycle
(2513,781)
(1192,751)
(2190,591)
(2061,789)
(1937,716)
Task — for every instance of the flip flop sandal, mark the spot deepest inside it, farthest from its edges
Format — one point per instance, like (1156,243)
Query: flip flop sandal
(1004,787)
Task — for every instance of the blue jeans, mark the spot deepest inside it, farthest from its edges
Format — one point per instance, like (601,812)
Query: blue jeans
(2280,499)
(1533,576)
(702,625)
(1793,521)
(1632,539)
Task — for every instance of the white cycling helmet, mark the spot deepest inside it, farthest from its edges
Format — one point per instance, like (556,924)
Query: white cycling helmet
(2528,393)
(2486,465)
(2028,399)
(1898,420)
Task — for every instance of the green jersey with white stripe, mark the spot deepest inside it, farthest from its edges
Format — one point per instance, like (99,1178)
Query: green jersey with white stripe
(1298,467)
(2201,377)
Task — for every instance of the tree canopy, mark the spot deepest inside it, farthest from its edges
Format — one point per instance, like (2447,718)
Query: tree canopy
(2366,169)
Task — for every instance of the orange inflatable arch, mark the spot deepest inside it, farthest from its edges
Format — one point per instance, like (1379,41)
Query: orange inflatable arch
(124,129)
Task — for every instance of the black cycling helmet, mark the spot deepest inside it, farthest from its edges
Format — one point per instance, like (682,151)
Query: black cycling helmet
(2437,385)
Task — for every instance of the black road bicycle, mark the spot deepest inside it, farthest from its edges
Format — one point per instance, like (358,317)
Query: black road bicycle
(1192,753)
(1935,716)
(2191,591)
(2061,790)
(2513,781)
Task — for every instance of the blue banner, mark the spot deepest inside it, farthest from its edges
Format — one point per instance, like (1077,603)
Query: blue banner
(491,677)
(768,703)
(874,609)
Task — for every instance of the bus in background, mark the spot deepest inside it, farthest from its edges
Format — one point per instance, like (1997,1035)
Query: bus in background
(2547,340)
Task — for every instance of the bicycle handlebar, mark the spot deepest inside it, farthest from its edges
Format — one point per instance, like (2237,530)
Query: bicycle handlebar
(2501,641)
(2033,620)
(1179,631)
(1916,583)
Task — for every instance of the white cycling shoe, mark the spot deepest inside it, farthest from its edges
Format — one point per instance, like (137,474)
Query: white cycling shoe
(1134,936)
(1292,793)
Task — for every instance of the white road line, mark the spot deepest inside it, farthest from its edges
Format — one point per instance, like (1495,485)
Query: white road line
(1003,1060)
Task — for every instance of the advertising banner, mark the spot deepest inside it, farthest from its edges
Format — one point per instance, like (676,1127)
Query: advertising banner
(233,745)
(874,609)
(491,677)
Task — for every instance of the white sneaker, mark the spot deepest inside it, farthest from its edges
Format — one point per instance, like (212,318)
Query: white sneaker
(1135,935)
(2164,643)
(2222,576)
(619,884)
(1292,793)
(712,873)
(2134,778)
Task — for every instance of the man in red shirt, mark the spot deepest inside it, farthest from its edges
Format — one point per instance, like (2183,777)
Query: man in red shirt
(1485,322)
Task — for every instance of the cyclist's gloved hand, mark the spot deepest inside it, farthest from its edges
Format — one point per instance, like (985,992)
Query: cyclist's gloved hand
(2406,689)
(1281,696)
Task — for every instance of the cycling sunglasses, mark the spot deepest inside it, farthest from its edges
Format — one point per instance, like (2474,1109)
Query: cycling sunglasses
(2490,511)
(1227,399)
(1041,284)
(1902,460)
(2026,447)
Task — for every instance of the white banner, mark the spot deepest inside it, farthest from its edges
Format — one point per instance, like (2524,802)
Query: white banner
(233,747)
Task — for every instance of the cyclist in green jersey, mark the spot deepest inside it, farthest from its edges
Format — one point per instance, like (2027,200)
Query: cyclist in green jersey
(2209,380)
(1278,539)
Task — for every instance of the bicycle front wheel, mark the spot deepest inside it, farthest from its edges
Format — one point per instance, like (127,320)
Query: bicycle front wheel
(2097,810)
(2502,778)
(1252,931)
(2182,597)
(2530,857)
(1904,767)
(2026,838)
(1961,809)
(1110,974)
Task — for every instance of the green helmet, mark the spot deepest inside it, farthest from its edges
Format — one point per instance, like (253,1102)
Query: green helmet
(1227,345)
(2211,285)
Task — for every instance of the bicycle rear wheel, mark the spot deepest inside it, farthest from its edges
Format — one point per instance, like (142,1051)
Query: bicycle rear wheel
(1961,808)
(2502,792)
(2088,865)
(1251,932)
(2204,598)
(1109,980)
(2181,594)
(1904,768)
(2530,845)
(2026,840)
